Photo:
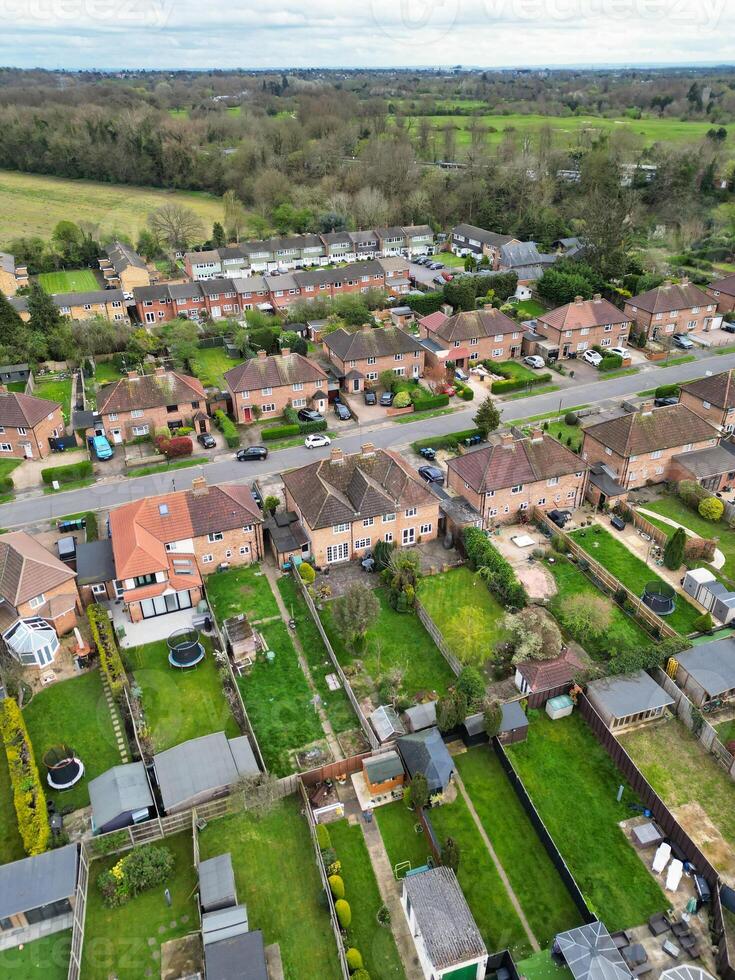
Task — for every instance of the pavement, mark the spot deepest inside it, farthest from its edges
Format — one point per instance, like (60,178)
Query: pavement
(36,508)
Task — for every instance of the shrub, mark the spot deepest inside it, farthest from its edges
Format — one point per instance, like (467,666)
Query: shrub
(450,441)
(291,415)
(500,578)
(425,403)
(307,573)
(29,798)
(280,432)
(666,391)
(571,419)
(322,837)
(90,524)
(516,384)
(137,871)
(711,508)
(703,623)
(174,447)
(426,304)
(674,549)
(466,393)
(337,886)
(228,428)
(306,427)
(103,636)
(611,362)
(361,975)
(344,912)
(402,400)
(67,474)
(354,959)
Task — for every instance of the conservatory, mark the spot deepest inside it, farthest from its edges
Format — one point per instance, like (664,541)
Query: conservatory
(32,641)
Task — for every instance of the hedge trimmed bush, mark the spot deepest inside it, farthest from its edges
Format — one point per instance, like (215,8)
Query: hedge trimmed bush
(174,447)
(464,391)
(426,304)
(667,391)
(449,441)
(344,912)
(426,402)
(137,871)
(402,400)
(90,526)
(361,975)
(322,837)
(306,427)
(67,474)
(228,428)
(354,959)
(503,584)
(279,432)
(29,797)
(516,384)
(307,573)
(104,639)
(611,362)
(337,886)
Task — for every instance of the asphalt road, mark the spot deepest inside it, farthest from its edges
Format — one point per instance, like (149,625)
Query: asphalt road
(121,490)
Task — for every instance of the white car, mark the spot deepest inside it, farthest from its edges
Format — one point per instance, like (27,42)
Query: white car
(315,440)
(620,351)
(534,361)
(592,357)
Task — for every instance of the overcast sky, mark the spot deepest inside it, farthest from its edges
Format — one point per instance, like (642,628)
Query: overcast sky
(330,33)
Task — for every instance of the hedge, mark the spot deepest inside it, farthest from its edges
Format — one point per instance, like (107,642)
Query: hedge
(667,391)
(306,427)
(90,526)
(103,635)
(426,304)
(449,441)
(228,428)
(504,582)
(173,447)
(423,404)
(69,473)
(29,797)
(515,384)
(464,391)
(280,432)
(611,362)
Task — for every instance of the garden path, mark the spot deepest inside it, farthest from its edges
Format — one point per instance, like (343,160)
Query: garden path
(719,559)
(122,745)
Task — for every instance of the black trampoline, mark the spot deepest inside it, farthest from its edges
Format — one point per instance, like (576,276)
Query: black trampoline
(660,597)
(184,648)
(64,768)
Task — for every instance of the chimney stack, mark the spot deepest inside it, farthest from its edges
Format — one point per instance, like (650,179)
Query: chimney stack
(578,300)
(199,486)
(646,407)
(336,455)
(132,375)
(285,351)
(3,390)
(367,449)
(537,434)
(507,438)
(597,297)
(262,355)
(160,372)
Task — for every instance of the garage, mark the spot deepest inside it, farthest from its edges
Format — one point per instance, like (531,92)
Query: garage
(161,604)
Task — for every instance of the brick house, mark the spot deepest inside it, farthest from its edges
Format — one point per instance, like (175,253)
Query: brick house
(722,291)
(162,545)
(138,405)
(221,298)
(27,423)
(471,240)
(153,304)
(123,268)
(512,475)
(347,504)
(272,382)
(360,357)
(575,327)
(107,303)
(11,275)
(713,398)
(475,335)
(639,447)
(672,308)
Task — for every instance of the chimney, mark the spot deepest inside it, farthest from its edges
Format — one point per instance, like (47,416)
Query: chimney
(578,300)
(262,355)
(537,434)
(597,297)
(685,281)
(367,449)
(336,455)
(3,390)
(646,407)
(285,351)
(199,486)
(132,375)
(507,439)
(160,372)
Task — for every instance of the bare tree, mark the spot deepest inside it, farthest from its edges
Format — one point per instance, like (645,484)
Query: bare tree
(176,225)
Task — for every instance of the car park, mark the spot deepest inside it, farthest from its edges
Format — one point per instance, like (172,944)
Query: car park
(309,415)
(534,361)
(432,474)
(342,411)
(250,453)
(370,398)
(316,439)
(617,522)
(592,357)
(386,399)
(682,341)
(207,440)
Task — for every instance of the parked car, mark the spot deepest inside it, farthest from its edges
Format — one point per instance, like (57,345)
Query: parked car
(309,415)
(728,327)
(251,452)
(617,522)
(620,351)
(101,447)
(421,260)
(559,517)
(427,452)
(438,280)
(432,474)
(462,375)
(592,357)
(435,265)
(386,399)
(447,276)
(342,411)
(316,439)
(370,398)
(681,340)
(668,400)
(207,440)
(534,361)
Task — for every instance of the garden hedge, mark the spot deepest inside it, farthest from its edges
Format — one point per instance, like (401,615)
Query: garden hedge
(280,432)
(426,304)
(306,427)
(516,384)
(449,441)
(228,428)
(503,583)
(427,402)
(667,391)
(90,526)
(103,635)
(140,869)
(29,797)
(69,473)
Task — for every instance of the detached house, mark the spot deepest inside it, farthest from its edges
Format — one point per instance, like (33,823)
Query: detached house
(347,504)
(722,291)
(673,308)
(123,268)
(514,475)
(160,543)
(360,357)
(638,448)
(475,335)
(270,383)
(27,423)
(577,326)
(138,405)
(713,398)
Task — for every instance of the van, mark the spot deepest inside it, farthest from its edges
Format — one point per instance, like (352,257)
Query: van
(101,447)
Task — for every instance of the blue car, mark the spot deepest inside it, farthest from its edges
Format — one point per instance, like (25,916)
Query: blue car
(101,447)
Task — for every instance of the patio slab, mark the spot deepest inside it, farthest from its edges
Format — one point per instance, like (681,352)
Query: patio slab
(148,630)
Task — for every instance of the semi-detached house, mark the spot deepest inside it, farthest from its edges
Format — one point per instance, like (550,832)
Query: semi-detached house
(673,308)
(267,384)
(11,275)
(475,335)
(712,397)
(722,291)
(471,240)
(361,356)
(27,423)
(140,404)
(123,268)
(577,326)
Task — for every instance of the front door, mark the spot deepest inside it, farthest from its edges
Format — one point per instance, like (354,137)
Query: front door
(117,436)
(202,425)
(408,536)
(355,384)
(27,450)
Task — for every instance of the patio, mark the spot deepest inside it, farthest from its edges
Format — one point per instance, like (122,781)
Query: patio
(131,634)
(434,557)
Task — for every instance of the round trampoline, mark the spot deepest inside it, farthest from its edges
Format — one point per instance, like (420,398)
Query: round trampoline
(659,597)
(184,648)
(65,769)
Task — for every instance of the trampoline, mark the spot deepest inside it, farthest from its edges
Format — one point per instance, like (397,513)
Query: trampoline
(659,597)
(184,648)
(65,769)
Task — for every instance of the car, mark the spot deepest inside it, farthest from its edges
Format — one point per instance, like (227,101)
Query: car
(101,447)
(681,340)
(316,440)
(438,280)
(207,440)
(559,517)
(447,276)
(428,453)
(251,452)
(309,415)
(462,375)
(620,351)
(370,398)
(667,400)
(534,361)
(342,411)
(592,357)
(728,327)
(434,266)
(386,399)
(432,474)
(617,522)
(421,260)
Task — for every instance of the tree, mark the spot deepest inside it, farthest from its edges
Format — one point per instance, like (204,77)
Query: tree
(381,554)
(353,612)
(487,418)
(451,710)
(492,717)
(219,239)
(294,342)
(533,634)
(12,328)
(44,313)
(387,379)
(471,684)
(176,225)
(419,790)
(711,508)
(703,623)
(235,217)
(149,245)
(461,293)
(450,854)
(182,339)
(402,575)
(674,549)
(586,615)
(271,503)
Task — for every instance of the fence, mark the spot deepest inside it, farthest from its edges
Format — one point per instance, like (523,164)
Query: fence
(641,524)
(436,634)
(430,834)
(80,911)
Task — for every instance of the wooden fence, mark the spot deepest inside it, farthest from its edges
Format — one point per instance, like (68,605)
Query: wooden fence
(436,634)
(80,911)
(641,524)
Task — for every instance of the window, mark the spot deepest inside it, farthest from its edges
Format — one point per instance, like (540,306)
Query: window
(22,430)
(411,512)
(318,384)
(387,518)
(362,543)
(268,408)
(388,536)
(608,451)
(298,386)
(37,600)
(541,501)
(657,454)
(571,495)
(552,481)
(137,413)
(338,552)
(498,352)
(206,559)
(299,402)
(524,505)
(399,371)
(245,395)
(340,528)
(692,324)
(112,416)
(141,430)
(606,342)
(706,405)
(408,535)
(425,529)
(215,536)
(228,553)
(368,522)
(608,327)
(99,589)
(245,549)
(372,376)
(371,360)
(493,512)
(266,391)
(5,447)
(398,357)
(517,489)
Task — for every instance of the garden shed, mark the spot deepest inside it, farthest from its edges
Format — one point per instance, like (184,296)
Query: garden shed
(202,769)
(37,895)
(239,957)
(95,570)
(473,730)
(420,716)
(513,724)
(217,883)
(707,672)
(386,723)
(628,699)
(426,752)
(120,797)
(383,773)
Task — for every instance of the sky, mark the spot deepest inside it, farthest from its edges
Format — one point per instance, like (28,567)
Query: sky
(201,34)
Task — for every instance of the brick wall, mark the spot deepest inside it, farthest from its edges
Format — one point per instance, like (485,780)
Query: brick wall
(66,621)
(503,506)
(714,414)
(37,438)
(228,549)
(310,395)
(570,341)
(154,418)
(725,303)
(666,324)
(413,367)
(637,471)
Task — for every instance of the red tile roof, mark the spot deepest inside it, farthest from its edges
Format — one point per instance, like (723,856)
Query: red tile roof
(27,569)
(542,675)
(671,296)
(273,372)
(585,313)
(499,466)
(725,285)
(17,409)
(149,391)
(646,432)
(433,321)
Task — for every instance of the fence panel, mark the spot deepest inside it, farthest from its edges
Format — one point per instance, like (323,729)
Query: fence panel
(640,523)
(430,834)
(436,634)
(80,911)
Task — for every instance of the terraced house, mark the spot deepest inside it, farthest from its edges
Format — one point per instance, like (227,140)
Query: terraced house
(713,398)
(107,303)
(673,308)
(475,335)
(510,476)
(140,404)
(471,240)
(575,327)
(360,357)
(11,275)
(265,385)
(27,423)
(347,504)
(123,268)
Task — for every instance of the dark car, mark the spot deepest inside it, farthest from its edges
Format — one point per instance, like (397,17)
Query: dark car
(251,452)
(559,517)
(728,327)
(207,440)
(668,400)
(371,398)
(386,399)
(309,415)
(342,411)
(427,452)
(617,522)
(432,474)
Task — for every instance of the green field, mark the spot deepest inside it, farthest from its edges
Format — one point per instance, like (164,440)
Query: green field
(210,365)
(71,281)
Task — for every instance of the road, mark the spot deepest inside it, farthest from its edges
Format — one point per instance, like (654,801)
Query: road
(39,508)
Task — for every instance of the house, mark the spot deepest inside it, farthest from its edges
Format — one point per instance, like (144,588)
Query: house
(533,676)
(712,468)
(639,447)
(36,588)
(37,896)
(512,475)
(419,240)
(445,935)
(109,304)
(471,240)
(391,241)
(383,773)
(120,797)
(361,356)
(628,699)
(160,543)
(205,264)
(712,397)
(123,268)
(577,326)
(270,383)
(220,298)
(591,954)
(347,503)
(202,769)
(12,276)
(672,308)
(95,570)
(706,673)
(473,335)
(141,404)
(27,424)
(722,291)
(425,752)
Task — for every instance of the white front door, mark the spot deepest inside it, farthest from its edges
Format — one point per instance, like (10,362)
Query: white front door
(408,536)
(27,450)
(338,552)
(117,436)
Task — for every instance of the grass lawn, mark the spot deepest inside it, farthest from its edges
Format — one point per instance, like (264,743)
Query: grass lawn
(676,510)
(7,466)
(541,892)
(278,702)
(573,783)
(450,260)
(457,597)
(726,731)
(17,386)
(623,633)
(632,571)
(543,390)
(395,640)
(374,941)
(105,373)
(47,958)
(419,416)
(11,845)
(277,879)
(563,432)
(681,771)
(73,711)
(517,371)
(241,590)
(180,704)
(336,703)
(69,281)
(210,364)
(540,966)
(403,842)
(179,464)
(125,942)
(529,309)
(55,391)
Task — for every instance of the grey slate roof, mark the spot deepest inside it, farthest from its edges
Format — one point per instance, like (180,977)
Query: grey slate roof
(7,262)
(201,765)
(591,954)
(629,694)
(224,923)
(217,882)
(514,717)
(385,765)
(372,342)
(121,789)
(237,958)
(481,235)
(442,914)
(35,881)
(712,665)
(90,296)
(426,752)
(95,562)
(122,256)
(421,715)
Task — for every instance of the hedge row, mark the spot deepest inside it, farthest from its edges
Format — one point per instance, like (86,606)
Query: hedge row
(342,907)
(515,384)
(280,432)
(450,441)
(430,401)
(228,428)
(103,635)
(29,797)
(667,391)
(464,391)
(503,582)
(426,304)
(69,473)
(306,427)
